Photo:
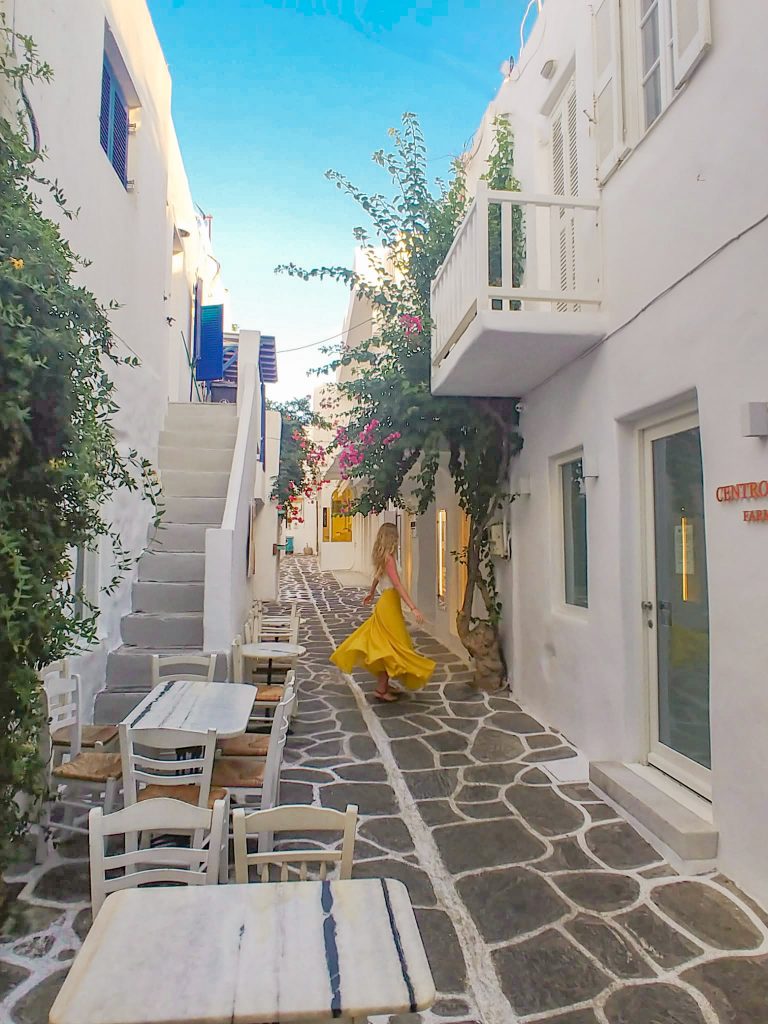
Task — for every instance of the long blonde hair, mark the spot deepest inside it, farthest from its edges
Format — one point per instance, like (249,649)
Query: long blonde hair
(386,543)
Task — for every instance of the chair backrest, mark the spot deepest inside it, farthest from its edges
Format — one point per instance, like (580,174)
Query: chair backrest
(281,627)
(62,693)
(185,759)
(172,667)
(293,819)
(194,864)
(277,737)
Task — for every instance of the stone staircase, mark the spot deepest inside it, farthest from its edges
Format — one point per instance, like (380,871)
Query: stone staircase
(194,460)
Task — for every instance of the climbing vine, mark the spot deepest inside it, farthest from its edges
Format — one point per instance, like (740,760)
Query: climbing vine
(59,462)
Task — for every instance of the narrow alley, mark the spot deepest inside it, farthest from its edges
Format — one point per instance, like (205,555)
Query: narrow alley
(536,901)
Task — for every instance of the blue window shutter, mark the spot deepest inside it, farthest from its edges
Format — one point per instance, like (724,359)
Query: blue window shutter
(210,362)
(106,103)
(120,136)
(113,123)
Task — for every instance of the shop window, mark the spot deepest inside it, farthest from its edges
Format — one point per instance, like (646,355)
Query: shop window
(442,554)
(574,504)
(341,520)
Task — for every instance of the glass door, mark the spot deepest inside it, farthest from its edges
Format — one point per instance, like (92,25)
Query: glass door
(676,606)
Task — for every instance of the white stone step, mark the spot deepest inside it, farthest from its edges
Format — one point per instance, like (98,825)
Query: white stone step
(194,484)
(194,458)
(676,825)
(172,567)
(200,414)
(129,679)
(193,510)
(181,536)
(158,631)
(222,437)
(167,597)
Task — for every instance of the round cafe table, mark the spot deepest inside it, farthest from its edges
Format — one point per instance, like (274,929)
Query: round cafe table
(271,651)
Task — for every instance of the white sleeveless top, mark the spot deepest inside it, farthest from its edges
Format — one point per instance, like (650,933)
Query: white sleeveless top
(385,583)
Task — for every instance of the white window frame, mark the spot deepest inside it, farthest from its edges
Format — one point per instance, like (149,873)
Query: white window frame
(558,536)
(663,61)
(679,767)
(677,66)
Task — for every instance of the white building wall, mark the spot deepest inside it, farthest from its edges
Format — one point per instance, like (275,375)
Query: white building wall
(687,189)
(127,236)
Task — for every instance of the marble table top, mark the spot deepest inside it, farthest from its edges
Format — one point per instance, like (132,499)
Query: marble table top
(290,951)
(272,649)
(195,705)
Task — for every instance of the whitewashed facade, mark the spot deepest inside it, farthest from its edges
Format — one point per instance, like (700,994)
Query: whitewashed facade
(105,127)
(635,340)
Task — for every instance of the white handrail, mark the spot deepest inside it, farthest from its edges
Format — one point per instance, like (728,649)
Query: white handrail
(226,594)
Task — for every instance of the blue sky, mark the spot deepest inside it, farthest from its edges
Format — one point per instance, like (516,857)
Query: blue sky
(269,94)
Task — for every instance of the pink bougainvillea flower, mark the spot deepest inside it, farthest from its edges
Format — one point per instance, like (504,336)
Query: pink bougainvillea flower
(411,324)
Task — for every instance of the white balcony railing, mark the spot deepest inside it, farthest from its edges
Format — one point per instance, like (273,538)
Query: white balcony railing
(516,252)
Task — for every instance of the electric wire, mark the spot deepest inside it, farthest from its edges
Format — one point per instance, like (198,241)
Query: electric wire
(665,291)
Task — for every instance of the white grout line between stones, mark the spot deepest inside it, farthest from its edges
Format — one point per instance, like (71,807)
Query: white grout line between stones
(484,987)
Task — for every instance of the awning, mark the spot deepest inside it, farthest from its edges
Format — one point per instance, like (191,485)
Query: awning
(267,359)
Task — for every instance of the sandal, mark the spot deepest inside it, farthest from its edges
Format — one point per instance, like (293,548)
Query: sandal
(387,697)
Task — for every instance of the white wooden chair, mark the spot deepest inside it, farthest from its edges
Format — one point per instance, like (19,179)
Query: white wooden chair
(62,690)
(282,627)
(267,823)
(199,862)
(253,781)
(77,780)
(266,627)
(268,695)
(253,744)
(170,668)
(173,763)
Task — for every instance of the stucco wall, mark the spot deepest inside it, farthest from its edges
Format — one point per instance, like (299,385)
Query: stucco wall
(126,235)
(694,183)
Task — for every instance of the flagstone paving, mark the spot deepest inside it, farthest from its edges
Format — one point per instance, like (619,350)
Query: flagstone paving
(536,901)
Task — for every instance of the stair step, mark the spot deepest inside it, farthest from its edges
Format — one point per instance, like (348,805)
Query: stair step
(181,536)
(676,825)
(202,415)
(172,567)
(129,679)
(195,458)
(220,438)
(194,484)
(168,597)
(193,510)
(158,631)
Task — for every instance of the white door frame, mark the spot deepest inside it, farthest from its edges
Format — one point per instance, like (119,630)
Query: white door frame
(686,771)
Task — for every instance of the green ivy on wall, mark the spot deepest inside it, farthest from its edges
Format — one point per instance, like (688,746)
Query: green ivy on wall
(59,463)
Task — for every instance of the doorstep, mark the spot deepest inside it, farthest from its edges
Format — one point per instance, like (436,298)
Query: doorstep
(674,819)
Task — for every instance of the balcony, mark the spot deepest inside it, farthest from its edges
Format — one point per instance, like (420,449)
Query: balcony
(519,294)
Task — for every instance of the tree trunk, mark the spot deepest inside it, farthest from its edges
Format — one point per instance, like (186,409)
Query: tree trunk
(482,639)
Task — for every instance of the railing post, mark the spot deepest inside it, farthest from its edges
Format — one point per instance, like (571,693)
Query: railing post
(481,256)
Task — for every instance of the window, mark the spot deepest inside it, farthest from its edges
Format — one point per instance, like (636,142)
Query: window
(655,58)
(113,123)
(574,533)
(645,51)
(442,554)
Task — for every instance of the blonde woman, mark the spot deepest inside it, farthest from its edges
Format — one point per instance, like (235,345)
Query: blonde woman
(382,644)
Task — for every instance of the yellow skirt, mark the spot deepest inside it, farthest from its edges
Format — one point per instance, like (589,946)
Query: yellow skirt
(382,644)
